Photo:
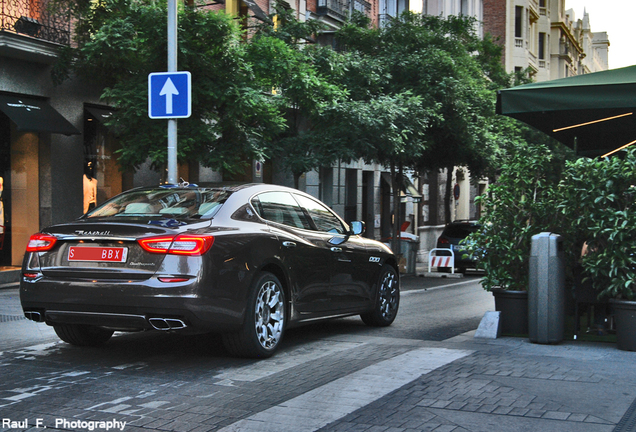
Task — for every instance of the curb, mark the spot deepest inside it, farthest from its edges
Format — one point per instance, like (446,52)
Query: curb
(9,278)
(441,275)
(12,285)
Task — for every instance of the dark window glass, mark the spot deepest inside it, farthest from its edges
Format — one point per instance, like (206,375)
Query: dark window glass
(542,46)
(281,208)
(518,21)
(169,203)
(323,218)
(459,231)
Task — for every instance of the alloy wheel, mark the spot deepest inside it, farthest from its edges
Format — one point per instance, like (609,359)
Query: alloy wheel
(389,295)
(269,315)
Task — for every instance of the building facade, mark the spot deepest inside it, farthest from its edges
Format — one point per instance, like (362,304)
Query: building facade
(57,159)
(544,39)
(42,126)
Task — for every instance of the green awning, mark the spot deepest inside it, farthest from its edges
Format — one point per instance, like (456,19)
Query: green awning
(601,105)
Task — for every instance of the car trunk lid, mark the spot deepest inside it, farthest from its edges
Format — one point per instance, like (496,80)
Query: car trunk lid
(108,250)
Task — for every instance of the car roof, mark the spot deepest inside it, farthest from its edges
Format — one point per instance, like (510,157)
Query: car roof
(238,191)
(230,187)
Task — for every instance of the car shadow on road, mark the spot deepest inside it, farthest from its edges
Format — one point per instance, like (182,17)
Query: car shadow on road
(148,349)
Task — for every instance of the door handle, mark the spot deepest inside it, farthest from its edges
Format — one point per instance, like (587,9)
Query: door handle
(336,249)
(289,244)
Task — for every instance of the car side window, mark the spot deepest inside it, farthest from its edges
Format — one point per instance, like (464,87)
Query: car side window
(281,208)
(322,216)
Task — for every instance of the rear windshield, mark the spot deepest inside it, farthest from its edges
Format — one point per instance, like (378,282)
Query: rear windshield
(169,203)
(460,231)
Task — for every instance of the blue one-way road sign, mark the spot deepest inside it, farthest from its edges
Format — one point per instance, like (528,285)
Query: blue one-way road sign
(169,95)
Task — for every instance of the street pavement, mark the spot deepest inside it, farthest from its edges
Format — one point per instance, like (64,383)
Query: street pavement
(334,383)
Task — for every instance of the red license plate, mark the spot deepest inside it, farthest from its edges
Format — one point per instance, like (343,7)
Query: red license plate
(100,254)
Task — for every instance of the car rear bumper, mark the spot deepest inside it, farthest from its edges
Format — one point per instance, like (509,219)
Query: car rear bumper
(132,305)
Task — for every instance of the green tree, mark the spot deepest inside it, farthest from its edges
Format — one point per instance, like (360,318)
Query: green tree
(119,42)
(380,122)
(597,200)
(301,75)
(303,97)
(449,69)
(521,202)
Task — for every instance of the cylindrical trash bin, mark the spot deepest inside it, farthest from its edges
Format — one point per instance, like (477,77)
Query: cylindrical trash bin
(546,289)
(409,250)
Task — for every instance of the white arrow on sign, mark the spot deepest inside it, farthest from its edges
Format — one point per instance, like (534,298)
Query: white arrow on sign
(168,91)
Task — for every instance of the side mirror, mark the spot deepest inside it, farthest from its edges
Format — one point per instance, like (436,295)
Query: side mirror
(358,227)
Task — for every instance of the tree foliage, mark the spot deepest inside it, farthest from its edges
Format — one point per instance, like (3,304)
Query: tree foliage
(119,42)
(302,78)
(597,199)
(448,68)
(518,205)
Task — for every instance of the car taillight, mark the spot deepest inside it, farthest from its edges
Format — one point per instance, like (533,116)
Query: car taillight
(191,244)
(40,243)
(182,244)
(173,279)
(442,240)
(156,244)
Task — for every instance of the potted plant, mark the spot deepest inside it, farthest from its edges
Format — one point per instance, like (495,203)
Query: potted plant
(598,197)
(518,204)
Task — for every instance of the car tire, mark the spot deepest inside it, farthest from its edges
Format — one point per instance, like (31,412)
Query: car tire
(82,335)
(264,324)
(387,299)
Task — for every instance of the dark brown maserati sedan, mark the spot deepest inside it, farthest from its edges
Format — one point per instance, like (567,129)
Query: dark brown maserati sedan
(245,261)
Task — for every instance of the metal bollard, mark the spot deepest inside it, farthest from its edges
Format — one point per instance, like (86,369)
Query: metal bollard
(546,290)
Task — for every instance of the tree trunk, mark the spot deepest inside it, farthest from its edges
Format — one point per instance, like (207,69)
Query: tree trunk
(297,179)
(395,226)
(447,195)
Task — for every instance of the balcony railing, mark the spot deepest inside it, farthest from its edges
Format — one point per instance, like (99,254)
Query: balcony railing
(341,9)
(33,18)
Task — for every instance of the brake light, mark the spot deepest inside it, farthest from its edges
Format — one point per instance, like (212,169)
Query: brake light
(156,244)
(191,244)
(173,279)
(443,240)
(182,244)
(40,243)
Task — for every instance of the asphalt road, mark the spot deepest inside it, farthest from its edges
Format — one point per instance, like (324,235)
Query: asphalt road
(166,382)
(331,377)
(430,309)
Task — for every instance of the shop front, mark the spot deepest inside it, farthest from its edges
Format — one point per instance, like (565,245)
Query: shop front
(102,177)
(25,125)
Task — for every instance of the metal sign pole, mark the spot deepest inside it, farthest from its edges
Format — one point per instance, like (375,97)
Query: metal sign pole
(172,67)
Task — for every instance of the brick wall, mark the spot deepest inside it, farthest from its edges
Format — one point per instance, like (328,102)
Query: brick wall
(311,5)
(495,21)
(264,5)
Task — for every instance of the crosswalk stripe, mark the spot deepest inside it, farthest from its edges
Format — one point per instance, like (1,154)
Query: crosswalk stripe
(284,361)
(330,402)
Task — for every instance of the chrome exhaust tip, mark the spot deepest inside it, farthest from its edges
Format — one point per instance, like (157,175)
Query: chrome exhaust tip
(167,324)
(34,316)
